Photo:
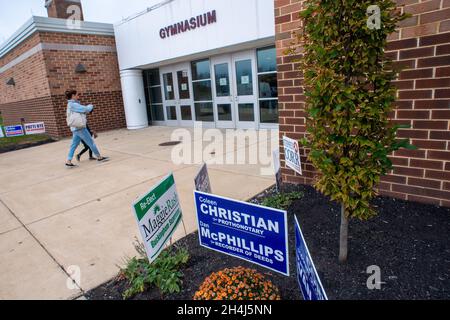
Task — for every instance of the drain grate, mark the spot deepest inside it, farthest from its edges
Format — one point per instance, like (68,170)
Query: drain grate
(169,144)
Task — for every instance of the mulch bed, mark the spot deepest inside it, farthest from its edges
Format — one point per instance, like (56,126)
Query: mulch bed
(26,145)
(408,241)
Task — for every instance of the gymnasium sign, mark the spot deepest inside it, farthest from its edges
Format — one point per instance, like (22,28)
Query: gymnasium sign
(187,25)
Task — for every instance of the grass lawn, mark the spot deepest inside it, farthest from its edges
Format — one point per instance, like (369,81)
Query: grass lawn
(8,142)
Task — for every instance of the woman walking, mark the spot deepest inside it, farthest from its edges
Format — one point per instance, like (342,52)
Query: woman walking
(76,119)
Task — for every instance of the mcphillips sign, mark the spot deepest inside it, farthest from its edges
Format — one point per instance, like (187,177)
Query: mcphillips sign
(253,233)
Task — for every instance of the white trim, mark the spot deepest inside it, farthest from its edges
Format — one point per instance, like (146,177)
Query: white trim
(44,24)
(55,46)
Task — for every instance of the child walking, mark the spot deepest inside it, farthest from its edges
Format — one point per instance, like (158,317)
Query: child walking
(86,147)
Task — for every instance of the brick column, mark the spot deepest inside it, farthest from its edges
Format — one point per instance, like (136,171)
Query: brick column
(422,47)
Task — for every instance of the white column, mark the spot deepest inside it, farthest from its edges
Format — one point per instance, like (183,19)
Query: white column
(134,99)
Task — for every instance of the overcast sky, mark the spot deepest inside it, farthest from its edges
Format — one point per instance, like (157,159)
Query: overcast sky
(14,13)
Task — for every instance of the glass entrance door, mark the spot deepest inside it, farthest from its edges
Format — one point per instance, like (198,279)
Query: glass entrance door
(245,90)
(224,107)
(177,92)
(169,96)
(185,101)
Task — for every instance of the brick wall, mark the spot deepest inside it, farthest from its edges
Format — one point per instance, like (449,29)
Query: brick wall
(30,75)
(42,79)
(422,46)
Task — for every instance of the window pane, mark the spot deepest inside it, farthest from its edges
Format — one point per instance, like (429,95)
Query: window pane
(200,70)
(224,111)
(269,111)
(183,84)
(246,112)
(186,113)
(267,60)
(153,77)
(244,75)
(202,90)
(155,94)
(168,86)
(204,112)
(268,86)
(222,80)
(158,113)
(171,113)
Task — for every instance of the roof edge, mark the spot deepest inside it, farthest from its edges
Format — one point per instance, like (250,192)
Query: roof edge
(45,24)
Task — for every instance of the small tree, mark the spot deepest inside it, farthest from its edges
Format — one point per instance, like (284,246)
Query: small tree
(349,99)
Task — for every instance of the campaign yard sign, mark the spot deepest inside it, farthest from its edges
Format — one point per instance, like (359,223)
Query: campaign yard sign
(14,131)
(202,182)
(158,215)
(247,231)
(307,276)
(292,154)
(35,128)
(277,167)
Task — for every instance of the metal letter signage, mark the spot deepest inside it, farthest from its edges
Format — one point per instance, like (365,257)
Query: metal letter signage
(243,230)
(193,23)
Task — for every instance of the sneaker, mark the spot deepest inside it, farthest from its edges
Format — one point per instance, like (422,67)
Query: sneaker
(103,159)
(78,157)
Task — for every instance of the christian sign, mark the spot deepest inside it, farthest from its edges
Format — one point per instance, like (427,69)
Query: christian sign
(243,230)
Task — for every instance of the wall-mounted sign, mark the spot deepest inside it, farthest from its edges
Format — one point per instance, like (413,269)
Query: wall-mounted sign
(14,131)
(202,182)
(1,132)
(158,214)
(35,128)
(292,154)
(184,87)
(243,230)
(169,88)
(188,24)
(307,276)
(223,82)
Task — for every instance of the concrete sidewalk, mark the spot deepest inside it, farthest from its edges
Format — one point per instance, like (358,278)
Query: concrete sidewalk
(52,218)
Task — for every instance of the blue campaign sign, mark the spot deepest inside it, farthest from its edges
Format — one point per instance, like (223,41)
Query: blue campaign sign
(14,131)
(247,231)
(307,276)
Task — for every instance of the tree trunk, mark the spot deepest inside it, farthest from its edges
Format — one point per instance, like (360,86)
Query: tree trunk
(343,240)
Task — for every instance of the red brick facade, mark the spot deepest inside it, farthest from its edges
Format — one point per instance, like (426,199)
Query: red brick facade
(42,78)
(422,46)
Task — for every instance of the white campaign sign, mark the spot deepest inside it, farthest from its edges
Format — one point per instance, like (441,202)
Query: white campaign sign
(1,132)
(292,154)
(34,128)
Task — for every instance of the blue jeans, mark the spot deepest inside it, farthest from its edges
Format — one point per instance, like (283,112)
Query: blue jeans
(82,135)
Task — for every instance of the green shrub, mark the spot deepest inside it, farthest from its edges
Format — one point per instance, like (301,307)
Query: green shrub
(282,201)
(163,273)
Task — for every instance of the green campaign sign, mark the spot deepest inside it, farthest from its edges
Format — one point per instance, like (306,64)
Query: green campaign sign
(158,214)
